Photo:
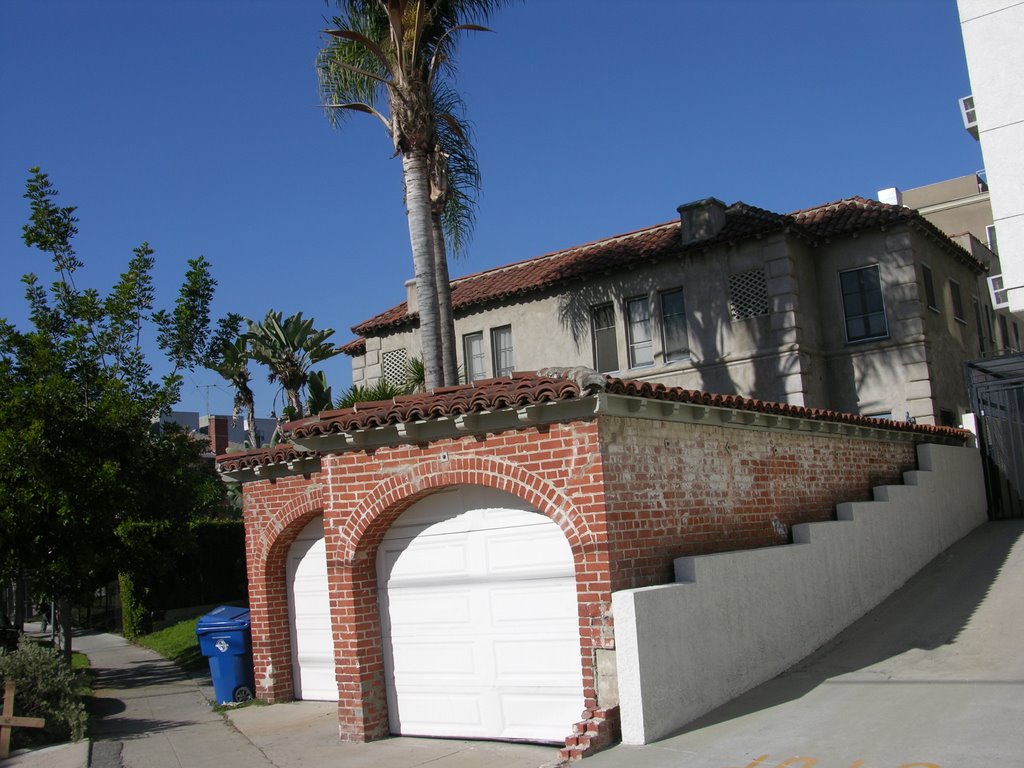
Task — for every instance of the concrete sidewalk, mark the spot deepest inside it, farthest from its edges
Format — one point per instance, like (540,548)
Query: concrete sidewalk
(931,679)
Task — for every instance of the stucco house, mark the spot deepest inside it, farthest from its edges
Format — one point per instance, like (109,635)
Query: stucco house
(856,305)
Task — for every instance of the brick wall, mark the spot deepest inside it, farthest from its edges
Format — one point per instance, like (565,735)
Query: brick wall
(629,494)
(682,489)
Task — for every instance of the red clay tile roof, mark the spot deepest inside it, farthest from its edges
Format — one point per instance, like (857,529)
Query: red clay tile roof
(842,217)
(523,389)
(263,457)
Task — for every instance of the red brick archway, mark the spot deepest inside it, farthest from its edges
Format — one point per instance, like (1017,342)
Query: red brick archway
(268,547)
(352,577)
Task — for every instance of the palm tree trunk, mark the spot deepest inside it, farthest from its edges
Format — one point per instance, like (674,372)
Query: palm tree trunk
(449,356)
(417,202)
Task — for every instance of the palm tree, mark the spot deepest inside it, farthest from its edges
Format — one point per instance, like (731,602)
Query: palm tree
(231,361)
(393,51)
(289,348)
(454,185)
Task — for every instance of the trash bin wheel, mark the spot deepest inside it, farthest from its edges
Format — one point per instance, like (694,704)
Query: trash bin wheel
(242,693)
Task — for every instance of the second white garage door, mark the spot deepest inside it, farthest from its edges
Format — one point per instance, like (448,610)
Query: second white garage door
(309,613)
(480,621)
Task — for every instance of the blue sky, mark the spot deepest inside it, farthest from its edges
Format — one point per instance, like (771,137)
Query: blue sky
(194,125)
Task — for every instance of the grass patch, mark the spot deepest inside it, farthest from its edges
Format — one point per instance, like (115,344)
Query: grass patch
(83,674)
(178,643)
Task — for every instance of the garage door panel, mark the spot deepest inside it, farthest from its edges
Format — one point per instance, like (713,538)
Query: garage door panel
(422,663)
(542,661)
(502,633)
(532,550)
(548,603)
(415,612)
(309,614)
(426,560)
(539,715)
(419,714)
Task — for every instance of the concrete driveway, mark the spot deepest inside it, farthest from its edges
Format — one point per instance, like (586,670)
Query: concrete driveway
(931,678)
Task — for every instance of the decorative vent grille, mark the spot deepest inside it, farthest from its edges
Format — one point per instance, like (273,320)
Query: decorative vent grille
(748,294)
(394,365)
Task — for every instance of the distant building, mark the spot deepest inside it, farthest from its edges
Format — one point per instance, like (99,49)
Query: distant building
(223,436)
(994,114)
(961,208)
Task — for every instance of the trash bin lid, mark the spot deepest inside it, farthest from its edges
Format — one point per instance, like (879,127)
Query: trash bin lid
(223,617)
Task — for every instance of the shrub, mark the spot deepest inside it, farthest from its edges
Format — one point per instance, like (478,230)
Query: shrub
(45,688)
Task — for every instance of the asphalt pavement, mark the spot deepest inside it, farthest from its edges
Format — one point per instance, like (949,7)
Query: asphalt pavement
(932,678)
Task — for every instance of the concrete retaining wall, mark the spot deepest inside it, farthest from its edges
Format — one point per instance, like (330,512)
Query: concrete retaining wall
(736,619)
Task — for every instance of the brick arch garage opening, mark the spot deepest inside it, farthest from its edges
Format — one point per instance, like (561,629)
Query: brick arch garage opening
(283,532)
(406,521)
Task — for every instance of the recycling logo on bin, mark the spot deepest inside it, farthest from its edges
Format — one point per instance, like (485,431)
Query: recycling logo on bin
(221,645)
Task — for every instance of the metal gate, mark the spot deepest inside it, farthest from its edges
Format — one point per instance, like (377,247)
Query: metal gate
(997,399)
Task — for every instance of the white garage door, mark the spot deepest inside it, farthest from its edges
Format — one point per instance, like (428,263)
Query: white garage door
(480,620)
(309,612)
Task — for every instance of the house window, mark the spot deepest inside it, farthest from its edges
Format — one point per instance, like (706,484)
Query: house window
(638,313)
(394,365)
(473,355)
(862,304)
(501,350)
(1016,336)
(606,353)
(958,303)
(998,292)
(990,235)
(929,288)
(748,294)
(674,339)
(1004,331)
(981,326)
(882,415)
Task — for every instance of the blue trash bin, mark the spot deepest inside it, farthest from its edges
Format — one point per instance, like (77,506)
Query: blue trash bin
(225,639)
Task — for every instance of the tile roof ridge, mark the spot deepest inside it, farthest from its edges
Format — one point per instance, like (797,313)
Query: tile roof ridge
(565,251)
(863,202)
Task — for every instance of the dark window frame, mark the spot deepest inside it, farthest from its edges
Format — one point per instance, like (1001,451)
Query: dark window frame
(861,295)
(601,335)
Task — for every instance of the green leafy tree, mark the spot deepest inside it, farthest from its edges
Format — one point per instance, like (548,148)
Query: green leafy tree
(289,347)
(79,455)
(385,59)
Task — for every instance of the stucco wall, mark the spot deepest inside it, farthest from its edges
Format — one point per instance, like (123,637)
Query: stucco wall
(737,619)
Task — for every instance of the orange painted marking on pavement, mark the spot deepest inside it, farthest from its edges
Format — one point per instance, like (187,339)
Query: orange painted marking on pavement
(806,762)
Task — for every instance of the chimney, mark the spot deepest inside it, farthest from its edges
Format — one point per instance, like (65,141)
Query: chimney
(217,431)
(410,296)
(891,196)
(701,220)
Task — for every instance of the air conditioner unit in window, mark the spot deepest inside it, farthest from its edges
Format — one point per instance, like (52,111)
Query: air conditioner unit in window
(998,292)
(970,115)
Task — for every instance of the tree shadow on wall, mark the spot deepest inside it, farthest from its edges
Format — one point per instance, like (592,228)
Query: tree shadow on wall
(932,611)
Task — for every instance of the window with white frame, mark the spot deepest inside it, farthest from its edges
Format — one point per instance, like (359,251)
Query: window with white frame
(929,288)
(958,302)
(863,307)
(473,356)
(675,342)
(501,350)
(602,323)
(638,331)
